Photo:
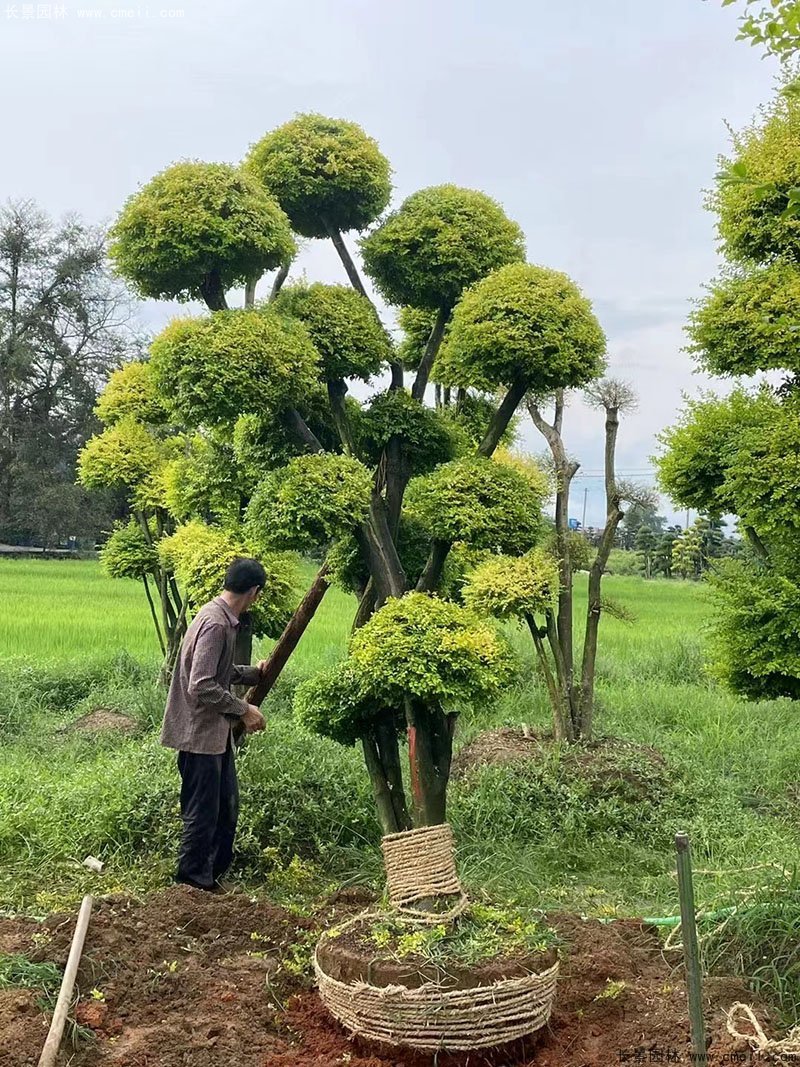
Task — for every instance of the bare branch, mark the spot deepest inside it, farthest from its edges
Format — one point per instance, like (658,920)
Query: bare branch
(611,394)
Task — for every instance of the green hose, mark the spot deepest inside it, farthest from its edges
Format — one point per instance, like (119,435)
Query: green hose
(675,920)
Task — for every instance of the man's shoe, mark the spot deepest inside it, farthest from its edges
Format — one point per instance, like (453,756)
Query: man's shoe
(196,885)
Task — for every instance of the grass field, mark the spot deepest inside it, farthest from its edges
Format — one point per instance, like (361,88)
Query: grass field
(72,641)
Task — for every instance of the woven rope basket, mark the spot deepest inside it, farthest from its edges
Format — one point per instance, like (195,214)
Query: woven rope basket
(421,863)
(433,1019)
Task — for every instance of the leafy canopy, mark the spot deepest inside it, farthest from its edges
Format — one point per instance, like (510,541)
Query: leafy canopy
(323,172)
(428,649)
(131,392)
(429,437)
(523,323)
(196,221)
(334,704)
(482,502)
(199,555)
(438,242)
(763,478)
(755,640)
(203,481)
(124,456)
(216,368)
(128,553)
(343,326)
(308,502)
(698,451)
(509,587)
(749,321)
(758,190)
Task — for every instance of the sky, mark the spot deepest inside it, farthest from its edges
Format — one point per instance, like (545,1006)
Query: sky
(597,126)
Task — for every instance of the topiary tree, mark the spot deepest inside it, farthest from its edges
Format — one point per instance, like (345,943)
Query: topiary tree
(739,454)
(404,493)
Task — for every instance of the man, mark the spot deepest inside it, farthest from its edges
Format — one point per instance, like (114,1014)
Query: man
(200,712)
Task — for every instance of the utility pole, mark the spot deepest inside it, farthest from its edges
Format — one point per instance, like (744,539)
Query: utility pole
(687,518)
(583,520)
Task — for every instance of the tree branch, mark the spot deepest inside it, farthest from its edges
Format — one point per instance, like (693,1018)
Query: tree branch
(298,425)
(429,355)
(501,418)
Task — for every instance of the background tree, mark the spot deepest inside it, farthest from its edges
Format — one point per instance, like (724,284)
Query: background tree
(646,542)
(577,690)
(739,455)
(64,325)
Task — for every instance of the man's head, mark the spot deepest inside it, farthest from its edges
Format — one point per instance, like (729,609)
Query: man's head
(245,579)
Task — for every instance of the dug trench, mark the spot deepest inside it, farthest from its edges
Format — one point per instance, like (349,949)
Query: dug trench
(181,978)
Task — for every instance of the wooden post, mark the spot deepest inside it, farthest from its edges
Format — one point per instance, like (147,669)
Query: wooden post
(288,640)
(691,953)
(56,1032)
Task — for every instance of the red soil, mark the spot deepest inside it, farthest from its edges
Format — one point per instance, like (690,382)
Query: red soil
(184,984)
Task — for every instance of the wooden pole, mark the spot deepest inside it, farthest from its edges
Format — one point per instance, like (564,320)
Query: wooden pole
(691,953)
(56,1032)
(288,640)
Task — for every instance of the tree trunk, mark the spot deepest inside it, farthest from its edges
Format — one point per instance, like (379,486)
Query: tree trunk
(380,786)
(250,291)
(565,472)
(288,641)
(153,615)
(561,724)
(594,605)
(212,291)
(430,753)
(501,419)
(389,752)
(280,278)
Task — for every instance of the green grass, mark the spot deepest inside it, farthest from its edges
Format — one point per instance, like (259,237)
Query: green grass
(541,834)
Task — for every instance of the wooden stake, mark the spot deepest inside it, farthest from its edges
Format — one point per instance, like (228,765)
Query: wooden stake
(56,1032)
(691,953)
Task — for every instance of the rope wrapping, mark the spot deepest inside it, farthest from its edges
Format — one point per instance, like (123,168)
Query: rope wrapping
(786,1051)
(430,1018)
(420,864)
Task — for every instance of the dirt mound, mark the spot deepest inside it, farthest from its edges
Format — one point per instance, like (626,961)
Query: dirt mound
(602,760)
(184,978)
(102,719)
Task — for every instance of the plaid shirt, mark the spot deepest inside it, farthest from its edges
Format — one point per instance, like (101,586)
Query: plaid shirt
(200,705)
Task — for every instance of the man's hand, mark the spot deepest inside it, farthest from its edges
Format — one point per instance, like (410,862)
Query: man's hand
(253,719)
(262,667)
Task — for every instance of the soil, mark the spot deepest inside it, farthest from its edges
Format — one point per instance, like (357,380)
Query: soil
(351,958)
(181,982)
(101,719)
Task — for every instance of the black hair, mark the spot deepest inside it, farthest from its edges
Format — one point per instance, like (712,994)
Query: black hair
(243,574)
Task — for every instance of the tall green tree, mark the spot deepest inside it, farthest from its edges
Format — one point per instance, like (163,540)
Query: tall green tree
(64,325)
(740,454)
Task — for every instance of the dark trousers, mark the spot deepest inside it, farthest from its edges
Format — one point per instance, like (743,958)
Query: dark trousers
(209,809)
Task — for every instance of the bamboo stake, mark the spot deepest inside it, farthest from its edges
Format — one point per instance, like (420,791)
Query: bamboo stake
(691,955)
(56,1032)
